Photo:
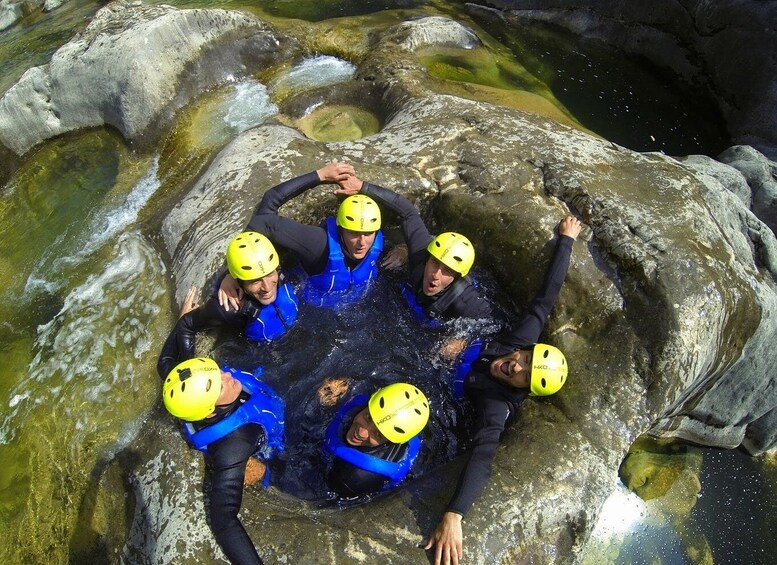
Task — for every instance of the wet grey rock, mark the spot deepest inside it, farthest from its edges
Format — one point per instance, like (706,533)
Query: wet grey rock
(436,31)
(761,176)
(730,45)
(131,69)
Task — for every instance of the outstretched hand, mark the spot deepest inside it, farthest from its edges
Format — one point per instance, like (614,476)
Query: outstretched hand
(447,540)
(570,226)
(335,172)
(189,302)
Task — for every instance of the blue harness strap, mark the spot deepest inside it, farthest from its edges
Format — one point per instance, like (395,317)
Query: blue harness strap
(419,314)
(395,472)
(264,407)
(338,286)
(471,353)
(274,320)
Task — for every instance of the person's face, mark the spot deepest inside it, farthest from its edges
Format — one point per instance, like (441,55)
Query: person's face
(437,277)
(513,369)
(363,432)
(263,290)
(356,244)
(230,389)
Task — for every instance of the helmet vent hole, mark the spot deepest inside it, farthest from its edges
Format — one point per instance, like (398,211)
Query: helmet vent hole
(399,430)
(545,354)
(207,386)
(382,402)
(457,259)
(543,382)
(563,379)
(407,395)
(183,386)
(350,218)
(417,411)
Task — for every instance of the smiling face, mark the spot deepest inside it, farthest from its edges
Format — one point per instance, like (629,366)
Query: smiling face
(264,290)
(437,277)
(356,244)
(363,432)
(513,369)
(230,389)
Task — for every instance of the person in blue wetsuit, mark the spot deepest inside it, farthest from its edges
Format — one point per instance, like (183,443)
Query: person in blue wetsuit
(508,368)
(438,287)
(230,416)
(373,441)
(340,256)
(266,310)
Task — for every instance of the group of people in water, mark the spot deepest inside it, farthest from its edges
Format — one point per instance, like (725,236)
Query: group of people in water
(373,440)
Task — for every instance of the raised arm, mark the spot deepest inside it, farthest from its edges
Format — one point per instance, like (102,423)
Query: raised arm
(529,325)
(277,196)
(180,344)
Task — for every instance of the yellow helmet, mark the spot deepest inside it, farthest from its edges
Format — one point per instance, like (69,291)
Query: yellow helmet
(359,213)
(191,389)
(400,411)
(454,251)
(250,256)
(548,370)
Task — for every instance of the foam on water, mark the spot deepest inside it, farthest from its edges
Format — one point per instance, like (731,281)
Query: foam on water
(75,357)
(104,224)
(323,70)
(248,105)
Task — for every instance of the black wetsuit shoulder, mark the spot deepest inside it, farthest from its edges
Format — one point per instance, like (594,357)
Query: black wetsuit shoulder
(308,243)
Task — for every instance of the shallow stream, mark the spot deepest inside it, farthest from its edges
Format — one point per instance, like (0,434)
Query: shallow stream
(87,298)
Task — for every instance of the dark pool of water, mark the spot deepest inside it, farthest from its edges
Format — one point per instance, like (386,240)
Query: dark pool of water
(737,509)
(623,98)
(374,343)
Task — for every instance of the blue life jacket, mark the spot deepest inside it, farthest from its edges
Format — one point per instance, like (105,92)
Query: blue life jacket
(338,286)
(264,407)
(471,353)
(334,445)
(274,320)
(430,315)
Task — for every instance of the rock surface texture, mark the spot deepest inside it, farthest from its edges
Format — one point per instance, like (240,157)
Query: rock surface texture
(131,69)
(667,317)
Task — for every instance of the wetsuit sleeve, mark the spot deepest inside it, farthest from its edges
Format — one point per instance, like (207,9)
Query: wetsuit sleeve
(180,344)
(309,243)
(278,195)
(414,230)
(528,327)
(492,415)
(472,304)
(228,458)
